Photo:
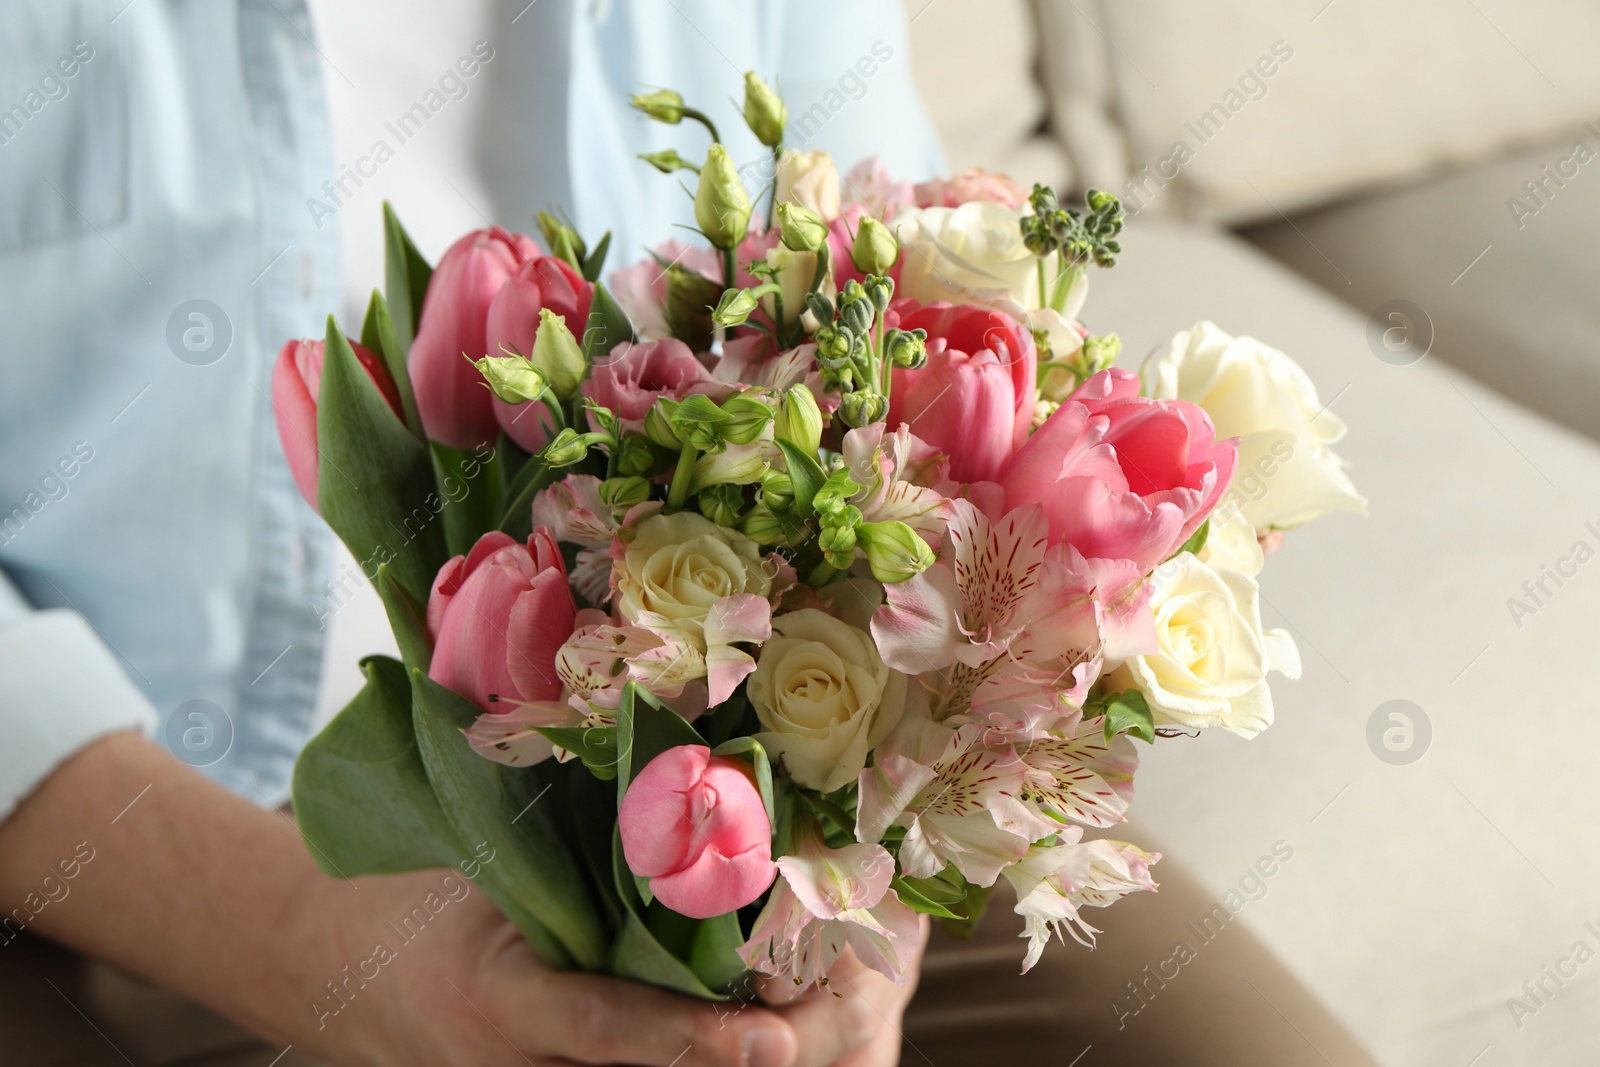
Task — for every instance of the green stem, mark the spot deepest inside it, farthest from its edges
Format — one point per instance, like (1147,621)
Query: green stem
(682,475)
(729,266)
(1044,290)
(705,120)
(772,205)
(824,573)
(883,359)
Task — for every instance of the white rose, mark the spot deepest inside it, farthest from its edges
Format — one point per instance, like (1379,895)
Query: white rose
(1212,657)
(824,698)
(1286,475)
(811,180)
(678,565)
(1231,542)
(972,254)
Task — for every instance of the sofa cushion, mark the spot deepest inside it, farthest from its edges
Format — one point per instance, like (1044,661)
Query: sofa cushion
(1420,897)
(1283,106)
(1492,254)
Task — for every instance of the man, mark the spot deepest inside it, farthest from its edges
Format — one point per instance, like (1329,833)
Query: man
(164,226)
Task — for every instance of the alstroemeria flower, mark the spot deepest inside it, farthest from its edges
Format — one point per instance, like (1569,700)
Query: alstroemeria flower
(826,900)
(894,471)
(574,512)
(1053,882)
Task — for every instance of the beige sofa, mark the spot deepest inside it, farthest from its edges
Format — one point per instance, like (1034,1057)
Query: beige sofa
(1446,908)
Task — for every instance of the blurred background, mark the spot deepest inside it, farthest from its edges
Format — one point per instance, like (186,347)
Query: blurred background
(1404,197)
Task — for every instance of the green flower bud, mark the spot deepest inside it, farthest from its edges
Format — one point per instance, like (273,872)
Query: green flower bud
(777,490)
(667,161)
(907,348)
(876,248)
(620,494)
(511,378)
(799,419)
(856,315)
(880,290)
(833,344)
(690,296)
(763,527)
(721,204)
(658,425)
(736,465)
(894,550)
(663,105)
(801,229)
(721,504)
(636,455)
(747,419)
(557,355)
(764,112)
(568,447)
(1098,353)
(862,409)
(736,306)
(838,544)
(699,422)
(818,304)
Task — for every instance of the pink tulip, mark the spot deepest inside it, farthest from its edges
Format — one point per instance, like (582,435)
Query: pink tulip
(498,616)
(513,323)
(974,399)
(296,383)
(694,824)
(633,376)
(456,408)
(1122,476)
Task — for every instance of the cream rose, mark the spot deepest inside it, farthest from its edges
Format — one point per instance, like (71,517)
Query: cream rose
(811,180)
(824,698)
(1212,657)
(1286,473)
(1231,543)
(678,565)
(972,254)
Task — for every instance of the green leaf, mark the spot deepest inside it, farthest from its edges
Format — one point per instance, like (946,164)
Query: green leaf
(596,746)
(1196,542)
(749,746)
(805,474)
(714,954)
(597,259)
(535,878)
(910,892)
(637,953)
(470,495)
(375,479)
(976,903)
(362,798)
(408,620)
(378,334)
(608,324)
(645,729)
(1128,711)
(405,278)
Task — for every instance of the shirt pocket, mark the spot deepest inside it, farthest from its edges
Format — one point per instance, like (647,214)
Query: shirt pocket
(63,121)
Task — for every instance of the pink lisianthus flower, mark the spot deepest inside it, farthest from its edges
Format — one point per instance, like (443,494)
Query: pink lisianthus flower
(869,186)
(542,282)
(456,409)
(827,900)
(640,288)
(694,824)
(498,616)
(971,185)
(1121,476)
(974,399)
(635,375)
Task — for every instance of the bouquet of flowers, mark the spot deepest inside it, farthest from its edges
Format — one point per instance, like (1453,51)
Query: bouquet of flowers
(778,589)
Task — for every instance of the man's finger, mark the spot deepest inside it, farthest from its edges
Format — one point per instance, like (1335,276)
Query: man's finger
(597,1020)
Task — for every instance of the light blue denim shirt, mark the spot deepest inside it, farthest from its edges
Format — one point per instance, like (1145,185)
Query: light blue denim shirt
(156,157)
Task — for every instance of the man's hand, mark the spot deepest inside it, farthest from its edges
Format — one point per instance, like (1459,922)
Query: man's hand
(217,899)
